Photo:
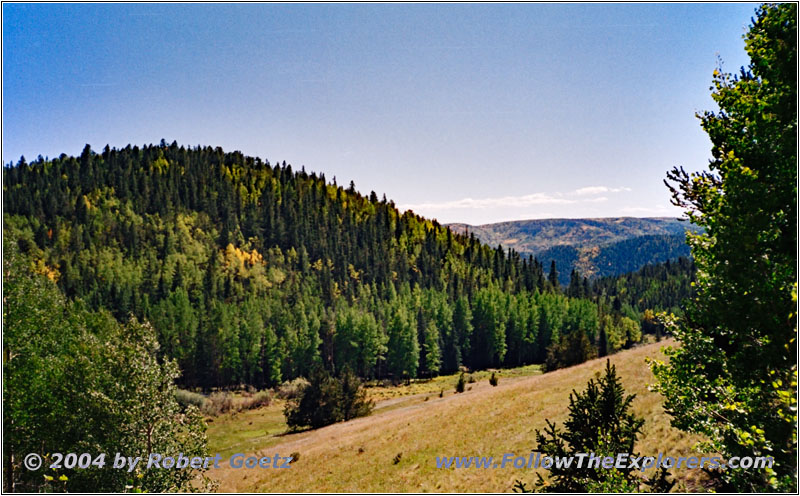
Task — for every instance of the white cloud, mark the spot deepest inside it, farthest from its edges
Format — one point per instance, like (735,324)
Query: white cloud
(502,202)
(521,201)
(596,190)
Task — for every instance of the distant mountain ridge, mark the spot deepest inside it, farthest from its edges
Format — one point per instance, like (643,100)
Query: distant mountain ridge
(595,247)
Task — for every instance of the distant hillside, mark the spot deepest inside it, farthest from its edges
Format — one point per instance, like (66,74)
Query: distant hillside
(596,247)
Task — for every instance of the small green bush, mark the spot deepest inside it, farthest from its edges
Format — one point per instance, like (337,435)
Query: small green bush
(186,398)
(461,384)
(327,400)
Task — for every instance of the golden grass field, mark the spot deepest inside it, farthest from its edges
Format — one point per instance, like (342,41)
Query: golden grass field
(415,423)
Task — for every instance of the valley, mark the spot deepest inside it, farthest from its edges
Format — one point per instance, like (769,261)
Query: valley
(593,247)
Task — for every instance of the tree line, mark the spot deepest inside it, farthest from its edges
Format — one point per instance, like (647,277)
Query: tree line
(253,273)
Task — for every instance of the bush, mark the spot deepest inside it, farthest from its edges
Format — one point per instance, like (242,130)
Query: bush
(290,390)
(327,400)
(257,400)
(78,381)
(218,403)
(493,379)
(461,384)
(186,398)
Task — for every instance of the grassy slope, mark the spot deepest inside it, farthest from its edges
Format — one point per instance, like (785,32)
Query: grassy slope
(357,456)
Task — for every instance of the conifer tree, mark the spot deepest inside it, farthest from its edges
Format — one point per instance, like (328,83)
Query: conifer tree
(599,422)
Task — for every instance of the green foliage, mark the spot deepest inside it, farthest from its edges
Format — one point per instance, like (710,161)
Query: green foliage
(489,327)
(461,384)
(572,349)
(661,288)
(253,273)
(327,400)
(77,381)
(599,422)
(734,377)
(403,353)
(359,341)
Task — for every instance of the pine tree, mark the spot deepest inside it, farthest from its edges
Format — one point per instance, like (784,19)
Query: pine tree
(602,342)
(461,384)
(599,422)
(552,278)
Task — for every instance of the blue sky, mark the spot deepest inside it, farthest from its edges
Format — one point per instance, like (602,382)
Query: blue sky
(470,113)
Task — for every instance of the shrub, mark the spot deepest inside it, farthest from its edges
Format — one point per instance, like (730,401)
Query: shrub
(460,385)
(471,379)
(493,379)
(186,398)
(291,389)
(218,403)
(327,400)
(257,400)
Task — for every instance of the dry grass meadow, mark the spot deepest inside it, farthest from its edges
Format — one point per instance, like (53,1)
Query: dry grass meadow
(394,449)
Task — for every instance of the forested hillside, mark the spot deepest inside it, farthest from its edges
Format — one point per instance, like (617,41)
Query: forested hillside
(594,247)
(619,257)
(253,273)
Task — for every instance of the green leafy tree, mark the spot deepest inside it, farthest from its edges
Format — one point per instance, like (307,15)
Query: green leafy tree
(734,377)
(403,347)
(430,348)
(630,330)
(359,341)
(77,381)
